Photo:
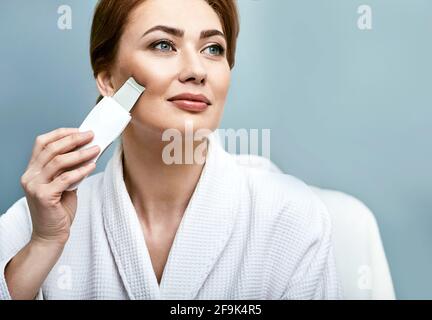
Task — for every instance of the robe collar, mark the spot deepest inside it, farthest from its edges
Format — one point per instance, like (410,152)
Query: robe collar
(203,232)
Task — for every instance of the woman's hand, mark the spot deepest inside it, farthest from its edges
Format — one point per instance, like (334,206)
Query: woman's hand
(53,167)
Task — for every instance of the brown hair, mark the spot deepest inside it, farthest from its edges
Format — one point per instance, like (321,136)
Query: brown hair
(111,16)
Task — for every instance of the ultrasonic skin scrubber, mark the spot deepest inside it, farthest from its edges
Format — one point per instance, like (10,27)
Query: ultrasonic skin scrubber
(109,118)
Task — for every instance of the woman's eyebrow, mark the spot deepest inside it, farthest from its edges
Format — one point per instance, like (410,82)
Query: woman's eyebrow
(179,33)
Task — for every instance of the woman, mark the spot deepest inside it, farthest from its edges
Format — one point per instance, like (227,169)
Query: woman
(143,229)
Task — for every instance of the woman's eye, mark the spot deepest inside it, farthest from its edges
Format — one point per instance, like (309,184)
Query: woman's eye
(163,45)
(219,50)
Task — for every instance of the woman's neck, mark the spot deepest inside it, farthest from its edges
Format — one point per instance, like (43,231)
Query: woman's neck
(160,192)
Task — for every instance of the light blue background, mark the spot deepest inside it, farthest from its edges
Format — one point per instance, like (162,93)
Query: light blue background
(348,109)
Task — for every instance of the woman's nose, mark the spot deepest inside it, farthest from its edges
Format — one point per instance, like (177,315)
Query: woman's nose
(193,68)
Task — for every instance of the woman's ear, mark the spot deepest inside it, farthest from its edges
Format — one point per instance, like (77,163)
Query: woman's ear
(105,84)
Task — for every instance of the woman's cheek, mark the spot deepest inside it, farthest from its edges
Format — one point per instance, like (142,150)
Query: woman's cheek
(222,84)
(147,67)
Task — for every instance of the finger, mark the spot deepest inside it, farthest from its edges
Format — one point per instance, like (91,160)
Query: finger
(61,146)
(35,168)
(67,161)
(66,179)
(44,139)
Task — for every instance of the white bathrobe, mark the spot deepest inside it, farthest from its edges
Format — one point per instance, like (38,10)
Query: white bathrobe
(246,234)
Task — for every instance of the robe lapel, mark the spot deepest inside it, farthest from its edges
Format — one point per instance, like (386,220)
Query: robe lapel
(125,235)
(200,239)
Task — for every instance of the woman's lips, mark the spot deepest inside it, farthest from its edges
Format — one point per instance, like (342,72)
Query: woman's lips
(190,105)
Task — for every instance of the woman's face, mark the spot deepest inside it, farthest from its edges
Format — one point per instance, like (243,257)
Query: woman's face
(168,65)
